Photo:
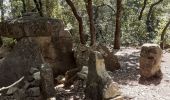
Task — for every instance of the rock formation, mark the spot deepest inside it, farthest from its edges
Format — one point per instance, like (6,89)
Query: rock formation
(150,60)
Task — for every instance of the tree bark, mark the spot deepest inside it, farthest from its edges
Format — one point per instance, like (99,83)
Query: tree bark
(163,35)
(143,8)
(118,25)
(148,21)
(2,18)
(79,19)
(2,10)
(92,26)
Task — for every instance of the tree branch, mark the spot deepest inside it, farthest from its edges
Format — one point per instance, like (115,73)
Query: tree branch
(163,34)
(144,5)
(39,7)
(4,88)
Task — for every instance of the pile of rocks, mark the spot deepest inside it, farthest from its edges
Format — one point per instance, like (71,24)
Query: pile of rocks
(38,85)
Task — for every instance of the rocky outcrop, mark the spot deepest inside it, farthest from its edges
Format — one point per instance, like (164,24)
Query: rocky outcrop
(150,60)
(99,84)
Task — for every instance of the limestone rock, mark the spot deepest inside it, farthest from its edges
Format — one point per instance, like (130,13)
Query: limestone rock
(150,60)
(37,76)
(47,83)
(11,90)
(25,54)
(99,84)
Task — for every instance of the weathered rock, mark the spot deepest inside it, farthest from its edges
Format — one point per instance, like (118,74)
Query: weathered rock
(47,81)
(33,92)
(150,60)
(25,54)
(11,90)
(29,26)
(36,76)
(60,79)
(99,84)
(81,55)
(65,57)
(111,60)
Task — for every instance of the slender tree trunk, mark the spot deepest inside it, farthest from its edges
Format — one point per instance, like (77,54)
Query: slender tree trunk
(24,6)
(92,26)
(2,18)
(118,25)
(39,7)
(141,13)
(79,19)
(163,35)
(2,10)
(148,21)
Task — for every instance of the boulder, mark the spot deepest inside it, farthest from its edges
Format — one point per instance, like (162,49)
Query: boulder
(25,54)
(100,85)
(150,60)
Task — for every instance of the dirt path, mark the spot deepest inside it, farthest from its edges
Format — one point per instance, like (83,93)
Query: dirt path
(128,78)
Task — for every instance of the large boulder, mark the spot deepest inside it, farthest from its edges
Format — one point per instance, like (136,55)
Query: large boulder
(25,54)
(150,60)
(100,85)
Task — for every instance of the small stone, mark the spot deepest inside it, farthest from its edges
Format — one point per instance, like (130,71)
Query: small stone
(33,70)
(33,92)
(60,79)
(37,76)
(11,90)
(53,98)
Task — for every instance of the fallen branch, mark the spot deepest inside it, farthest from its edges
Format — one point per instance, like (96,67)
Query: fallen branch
(4,88)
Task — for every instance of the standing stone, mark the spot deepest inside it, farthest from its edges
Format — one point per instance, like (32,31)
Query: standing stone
(47,81)
(99,84)
(150,60)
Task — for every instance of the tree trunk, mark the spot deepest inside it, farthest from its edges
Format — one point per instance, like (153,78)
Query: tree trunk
(2,10)
(118,25)
(148,21)
(144,5)
(163,35)
(92,26)
(24,6)
(2,18)
(79,19)
(39,7)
